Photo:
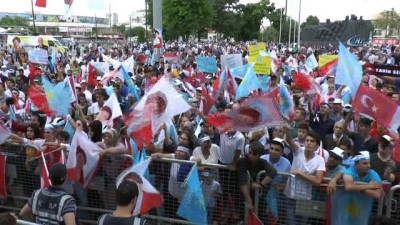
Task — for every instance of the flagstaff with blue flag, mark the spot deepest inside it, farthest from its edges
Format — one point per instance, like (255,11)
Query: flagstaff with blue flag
(129,83)
(285,101)
(350,208)
(249,83)
(311,63)
(193,207)
(349,70)
(59,96)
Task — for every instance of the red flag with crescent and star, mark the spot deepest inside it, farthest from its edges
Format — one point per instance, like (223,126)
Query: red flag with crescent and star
(377,105)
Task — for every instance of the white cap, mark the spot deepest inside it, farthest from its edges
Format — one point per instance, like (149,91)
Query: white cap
(279,141)
(338,101)
(388,138)
(337,151)
(362,155)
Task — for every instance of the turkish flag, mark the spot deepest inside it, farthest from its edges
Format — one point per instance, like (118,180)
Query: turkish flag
(252,219)
(207,101)
(92,76)
(39,99)
(41,3)
(375,104)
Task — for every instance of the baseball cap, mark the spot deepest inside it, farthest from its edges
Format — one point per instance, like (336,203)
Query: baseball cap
(278,141)
(337,151)
(362,155)
(388,139)
(58,173)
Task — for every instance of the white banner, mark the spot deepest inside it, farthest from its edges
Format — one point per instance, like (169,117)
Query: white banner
(39,56)
(231,61)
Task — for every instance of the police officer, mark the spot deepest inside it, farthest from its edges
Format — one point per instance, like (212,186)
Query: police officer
(52,206)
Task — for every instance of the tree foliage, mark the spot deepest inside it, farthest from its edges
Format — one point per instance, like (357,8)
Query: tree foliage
(14,21)
(183,18)
(275,19)
(311,20)
(388,19)
(136,31)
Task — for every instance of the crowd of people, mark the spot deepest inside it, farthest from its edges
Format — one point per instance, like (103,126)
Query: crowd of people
(322,139)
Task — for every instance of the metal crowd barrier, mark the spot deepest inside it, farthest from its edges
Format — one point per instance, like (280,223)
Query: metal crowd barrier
(392,203)
(225,205)
(23,222)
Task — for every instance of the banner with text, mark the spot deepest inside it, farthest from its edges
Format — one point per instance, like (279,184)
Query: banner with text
(39,56)
(254,50)
(206,64)
(262,64)
(384,70)
(231,61)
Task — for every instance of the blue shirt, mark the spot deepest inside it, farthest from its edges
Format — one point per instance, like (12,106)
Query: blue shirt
(370,176)
(337,169)
(283,165)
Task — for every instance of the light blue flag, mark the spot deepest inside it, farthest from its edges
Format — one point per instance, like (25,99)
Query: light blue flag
(350,207)
(264,82)
(249,83)
(58,95)
(240,71)
(311,63)
(285,101)
(173,134)
(286,68)
(70,130)
(349,70)
(206,64)
(129,83)
(193,207)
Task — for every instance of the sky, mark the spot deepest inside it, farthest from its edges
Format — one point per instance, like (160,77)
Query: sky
(323,9)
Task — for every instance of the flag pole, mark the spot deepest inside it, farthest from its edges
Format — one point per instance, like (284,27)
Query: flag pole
(33,17)
(299,28)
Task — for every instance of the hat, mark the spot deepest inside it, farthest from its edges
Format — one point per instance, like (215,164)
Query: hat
(362,155)
(77,85)
(83,81)
(98,78)
(337,152)
(58,173)
(337,101)
(331,75)
(48,127)
(278,141)
(388,138)
(199,89)
(348,106)
(4,67)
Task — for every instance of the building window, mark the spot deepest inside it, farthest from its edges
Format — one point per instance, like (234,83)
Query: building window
(378,32)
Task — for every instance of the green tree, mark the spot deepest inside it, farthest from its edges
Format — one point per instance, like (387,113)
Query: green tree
(269,34)
(14,21)
(119,28)
(189,17)
(275,19)
(311,20)
(226,18)
(136,31)
(251,16)
(388,20)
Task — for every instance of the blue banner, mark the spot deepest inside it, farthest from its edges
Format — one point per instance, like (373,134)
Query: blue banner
(206,64)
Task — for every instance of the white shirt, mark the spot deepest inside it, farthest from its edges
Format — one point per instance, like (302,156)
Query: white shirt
(229,145)
(212,158)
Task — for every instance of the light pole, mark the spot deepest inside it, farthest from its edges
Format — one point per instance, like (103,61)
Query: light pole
(280,26)
(130,31)
(299,28)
